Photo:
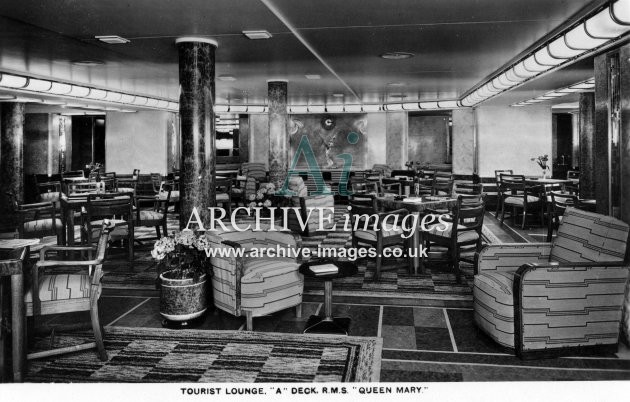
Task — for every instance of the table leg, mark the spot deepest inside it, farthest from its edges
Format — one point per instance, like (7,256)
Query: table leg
(69,226)
(327,324)
(17,306)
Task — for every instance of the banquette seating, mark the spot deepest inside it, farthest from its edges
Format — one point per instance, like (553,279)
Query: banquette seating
(542,299)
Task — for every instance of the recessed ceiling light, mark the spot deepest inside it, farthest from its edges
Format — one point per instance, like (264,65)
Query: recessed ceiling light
(226,78)
(260,34)
(313,76)
(337,95)
(88,63)
(112,39)
(400,96)
(396,84)
(397,55)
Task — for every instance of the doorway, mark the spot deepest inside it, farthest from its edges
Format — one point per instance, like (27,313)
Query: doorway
(88,141)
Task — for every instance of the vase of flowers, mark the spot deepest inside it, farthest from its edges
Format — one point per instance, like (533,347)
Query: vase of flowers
(183,273)
(542,162)
(263,198)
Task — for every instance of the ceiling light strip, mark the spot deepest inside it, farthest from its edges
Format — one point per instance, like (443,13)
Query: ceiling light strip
(32,85)
(601,28)
(581,86)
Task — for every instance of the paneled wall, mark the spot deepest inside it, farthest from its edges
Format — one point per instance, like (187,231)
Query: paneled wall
(137,140)
(509,137)
(463,141)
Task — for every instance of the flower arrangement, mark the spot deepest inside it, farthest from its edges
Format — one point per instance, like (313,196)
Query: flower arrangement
(542,161)
(262,197)
(182,253)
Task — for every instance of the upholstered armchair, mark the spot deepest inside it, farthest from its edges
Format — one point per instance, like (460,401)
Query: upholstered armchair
(542,299)
(255,286)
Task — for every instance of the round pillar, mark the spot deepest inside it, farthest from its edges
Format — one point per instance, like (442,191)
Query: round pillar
(196,101)
(11,160)
(278,132)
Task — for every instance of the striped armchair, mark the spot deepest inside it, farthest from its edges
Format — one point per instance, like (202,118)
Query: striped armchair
(255,286)
(309,209)
(555,298)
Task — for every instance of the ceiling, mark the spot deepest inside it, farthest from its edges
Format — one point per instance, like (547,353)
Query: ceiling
(457,43)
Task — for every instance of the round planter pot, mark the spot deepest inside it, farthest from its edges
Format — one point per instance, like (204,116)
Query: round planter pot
(182,299)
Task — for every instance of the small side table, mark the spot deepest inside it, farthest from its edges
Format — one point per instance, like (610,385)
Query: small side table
(328,324)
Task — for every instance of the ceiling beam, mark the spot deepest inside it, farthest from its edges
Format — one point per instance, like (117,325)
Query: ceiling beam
(311,49)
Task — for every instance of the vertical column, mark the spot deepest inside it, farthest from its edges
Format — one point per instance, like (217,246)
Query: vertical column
(11,159)
(278,132)
(196,102)
(587,133)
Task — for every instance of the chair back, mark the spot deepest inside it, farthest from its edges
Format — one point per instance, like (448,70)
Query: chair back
(403,174)
(442,183)
(82,188)
(382,169)
(156,180)
(72,174)
(37,220)
(466,188)
(573,174)
(358,210)
(589,237)
(109,206)
(223,186)
(468,215)
(254,170)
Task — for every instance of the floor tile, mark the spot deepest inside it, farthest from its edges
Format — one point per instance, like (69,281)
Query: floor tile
(398,316)
(428,317)
(398,337)
(433,338)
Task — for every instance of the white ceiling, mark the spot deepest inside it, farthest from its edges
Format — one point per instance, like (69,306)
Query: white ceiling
(456,42)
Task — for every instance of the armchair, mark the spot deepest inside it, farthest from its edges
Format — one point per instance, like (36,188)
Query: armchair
(309,208)
(256,286)
(545,299)
(65,293)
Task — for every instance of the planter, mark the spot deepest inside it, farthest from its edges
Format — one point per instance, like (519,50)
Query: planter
(182,299)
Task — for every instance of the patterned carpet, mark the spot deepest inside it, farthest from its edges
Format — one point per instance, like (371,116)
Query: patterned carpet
(159,355)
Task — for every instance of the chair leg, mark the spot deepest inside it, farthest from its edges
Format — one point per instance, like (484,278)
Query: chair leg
(298,311)
(379,258)
(458,273)
(98,332)
(502,212)
(524,218)
(249,321)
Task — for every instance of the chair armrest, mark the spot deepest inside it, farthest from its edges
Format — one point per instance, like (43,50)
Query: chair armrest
(508,257)
(44,250)
(574,304)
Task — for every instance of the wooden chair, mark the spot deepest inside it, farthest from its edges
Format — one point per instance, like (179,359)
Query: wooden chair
(67,293)
(365,232)
(83,188)
(516,195)
(156,181)
(363,191)
(39,221)
(127,183)
(224,194)
(461,233)
(118,210)
(157,216)
(559,203)
(497,178)
(442,183)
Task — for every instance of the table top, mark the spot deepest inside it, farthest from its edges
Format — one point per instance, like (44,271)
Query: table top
(14,244)
(344,269)
(539,180)
(418,204)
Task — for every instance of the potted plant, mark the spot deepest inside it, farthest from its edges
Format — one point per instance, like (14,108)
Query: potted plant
(542,162)
(183,273)
(263,198)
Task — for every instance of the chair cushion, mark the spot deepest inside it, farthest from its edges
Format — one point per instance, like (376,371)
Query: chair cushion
(518,201)
(223,197)
(150,215)
(370,234)
(52,196)
(61,287)
(42,226)
(465,236)
(237,191)
(126,190)
(494,305)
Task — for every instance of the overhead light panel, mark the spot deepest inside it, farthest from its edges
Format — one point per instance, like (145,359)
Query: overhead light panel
(112,39)
(313,76)
(13,81)
(256,35)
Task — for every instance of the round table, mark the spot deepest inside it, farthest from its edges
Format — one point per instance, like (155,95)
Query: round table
(327,270)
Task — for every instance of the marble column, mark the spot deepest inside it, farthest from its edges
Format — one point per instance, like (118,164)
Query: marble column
(278,132)
(11,159)
(587,133)
(196,101)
